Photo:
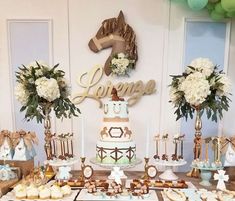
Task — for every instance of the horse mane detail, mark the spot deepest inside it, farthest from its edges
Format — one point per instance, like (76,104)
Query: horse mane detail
(118,25)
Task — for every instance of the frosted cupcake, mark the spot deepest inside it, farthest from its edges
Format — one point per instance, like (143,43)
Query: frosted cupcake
(66,190)
(56,192)
(20,191)
(44,193)
(32,192)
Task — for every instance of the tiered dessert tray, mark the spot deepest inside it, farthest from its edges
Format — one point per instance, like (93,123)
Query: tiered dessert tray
(63,166)
(206,174)
(168,174)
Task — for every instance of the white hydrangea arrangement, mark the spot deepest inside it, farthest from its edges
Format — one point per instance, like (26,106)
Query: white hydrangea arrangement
(39,86)
(200,86)
(121,65)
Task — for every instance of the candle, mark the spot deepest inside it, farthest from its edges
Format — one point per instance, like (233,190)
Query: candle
(82,137)
(147,143)
(218,147)
(182,148)
(201,150)
(220,129)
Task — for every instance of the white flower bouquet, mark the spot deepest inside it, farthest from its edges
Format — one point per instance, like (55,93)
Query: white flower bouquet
(201,86)
(121,65)
(39,86)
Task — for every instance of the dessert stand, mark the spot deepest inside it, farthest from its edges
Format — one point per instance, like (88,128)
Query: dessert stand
(206,174)
(63,167)
(116,168)
(168,174)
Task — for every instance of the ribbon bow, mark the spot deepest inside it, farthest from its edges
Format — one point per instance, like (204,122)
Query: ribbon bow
(5,135)
(28,137)
(225,142)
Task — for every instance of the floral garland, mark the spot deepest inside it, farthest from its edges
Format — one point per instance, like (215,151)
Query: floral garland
(39,86)
(200,86)
(121,64)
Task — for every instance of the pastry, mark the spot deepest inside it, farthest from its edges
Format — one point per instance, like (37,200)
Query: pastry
(20,191)
(66,190)
(44,192)
(56,192)
(32,192)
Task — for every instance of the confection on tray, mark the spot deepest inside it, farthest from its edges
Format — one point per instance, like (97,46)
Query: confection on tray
(70,182)
(139,188)
(92,185)
(116,145)
(31,191)
(160,184)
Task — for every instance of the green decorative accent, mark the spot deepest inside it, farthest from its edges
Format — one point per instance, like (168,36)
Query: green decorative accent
(197,4)
(217,9)
(228,5)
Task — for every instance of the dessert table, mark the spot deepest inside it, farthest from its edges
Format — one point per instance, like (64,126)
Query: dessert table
(103,174)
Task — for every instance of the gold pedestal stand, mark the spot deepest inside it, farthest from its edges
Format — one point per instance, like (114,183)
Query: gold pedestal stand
(197,143)
(145,176)
(49,172)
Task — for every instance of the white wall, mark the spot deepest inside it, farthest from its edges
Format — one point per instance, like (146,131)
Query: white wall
(159,27)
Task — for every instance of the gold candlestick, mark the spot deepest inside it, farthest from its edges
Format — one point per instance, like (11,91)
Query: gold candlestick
(82,167)
(145,176)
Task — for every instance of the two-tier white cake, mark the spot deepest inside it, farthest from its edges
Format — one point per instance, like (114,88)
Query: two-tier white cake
(116,145)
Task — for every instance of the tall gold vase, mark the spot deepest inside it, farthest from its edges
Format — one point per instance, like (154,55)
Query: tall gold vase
(47,146)
(197,142)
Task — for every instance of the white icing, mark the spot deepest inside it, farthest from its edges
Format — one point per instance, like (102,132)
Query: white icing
(114,109)
(112,145)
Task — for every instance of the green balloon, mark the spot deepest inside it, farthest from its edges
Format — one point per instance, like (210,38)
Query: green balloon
(216,16)
(219,8)
(197,4)
(210,6)
(228,5)
(179,1)
(231,14)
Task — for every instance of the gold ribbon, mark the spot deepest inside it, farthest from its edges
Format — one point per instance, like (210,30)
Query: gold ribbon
(28,137)
(225,142)
(5,135)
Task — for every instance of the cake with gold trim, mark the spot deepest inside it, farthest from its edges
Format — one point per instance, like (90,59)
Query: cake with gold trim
(116,145)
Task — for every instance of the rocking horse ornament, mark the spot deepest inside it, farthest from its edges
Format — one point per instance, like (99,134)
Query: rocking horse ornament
(116,33)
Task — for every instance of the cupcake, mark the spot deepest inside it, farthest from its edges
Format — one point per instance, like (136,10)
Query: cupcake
(44,192)
(66,190)
(56,192)
(20,191)
(32,192)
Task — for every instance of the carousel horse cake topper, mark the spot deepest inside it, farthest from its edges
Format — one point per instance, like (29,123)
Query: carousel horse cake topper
(115,33)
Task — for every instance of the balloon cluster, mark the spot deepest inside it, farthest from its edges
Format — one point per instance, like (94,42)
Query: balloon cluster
(218,9)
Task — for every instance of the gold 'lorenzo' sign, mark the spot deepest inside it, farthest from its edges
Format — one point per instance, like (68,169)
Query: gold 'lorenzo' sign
(88,80)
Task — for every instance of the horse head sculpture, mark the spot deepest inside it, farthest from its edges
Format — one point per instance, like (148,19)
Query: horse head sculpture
(115,33)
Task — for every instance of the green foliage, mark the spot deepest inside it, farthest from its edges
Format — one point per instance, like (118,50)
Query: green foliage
(36,105)
(213,106)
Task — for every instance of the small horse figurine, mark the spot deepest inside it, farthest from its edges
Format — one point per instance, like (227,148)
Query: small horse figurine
(115,96)
(115,33)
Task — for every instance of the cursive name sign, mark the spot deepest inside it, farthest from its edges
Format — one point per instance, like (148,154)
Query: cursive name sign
(91,89)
